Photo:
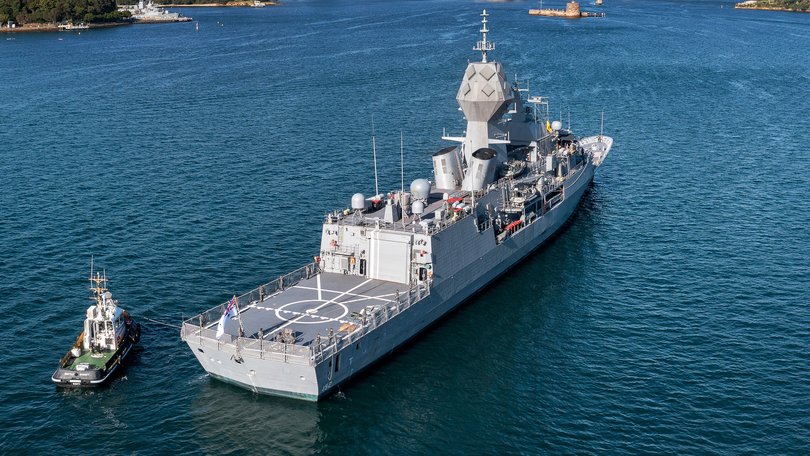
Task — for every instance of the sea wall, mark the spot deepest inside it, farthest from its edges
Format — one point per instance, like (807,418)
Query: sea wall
(571,10)
(552,12)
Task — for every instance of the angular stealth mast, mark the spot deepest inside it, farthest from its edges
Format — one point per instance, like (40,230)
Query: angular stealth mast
(484,96)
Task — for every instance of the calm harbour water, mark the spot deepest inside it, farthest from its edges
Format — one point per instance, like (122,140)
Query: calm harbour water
(670,317)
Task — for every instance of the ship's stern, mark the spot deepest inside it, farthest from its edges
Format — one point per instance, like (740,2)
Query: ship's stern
(259,366)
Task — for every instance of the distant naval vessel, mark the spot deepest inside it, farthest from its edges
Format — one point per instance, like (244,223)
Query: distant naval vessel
(396,262)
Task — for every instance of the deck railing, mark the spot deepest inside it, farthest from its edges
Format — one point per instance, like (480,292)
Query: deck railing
(247,347)
(200,329)
(212,315)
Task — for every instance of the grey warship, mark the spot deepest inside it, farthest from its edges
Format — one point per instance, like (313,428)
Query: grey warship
(396,262)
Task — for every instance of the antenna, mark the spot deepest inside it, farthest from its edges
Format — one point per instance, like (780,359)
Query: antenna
(402,176)
(602,125)
(402,161)
(569,119)
(374,150)
(484,46)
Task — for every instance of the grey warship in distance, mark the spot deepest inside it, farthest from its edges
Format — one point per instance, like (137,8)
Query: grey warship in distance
(397,262)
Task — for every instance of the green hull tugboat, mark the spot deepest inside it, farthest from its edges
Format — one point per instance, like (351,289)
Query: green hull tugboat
(108,337)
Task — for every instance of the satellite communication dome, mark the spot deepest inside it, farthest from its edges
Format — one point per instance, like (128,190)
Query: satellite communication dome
(418,207)
(556,125)
(420,189)
(358,202)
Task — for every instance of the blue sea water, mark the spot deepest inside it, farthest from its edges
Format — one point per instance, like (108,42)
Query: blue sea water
(670,317)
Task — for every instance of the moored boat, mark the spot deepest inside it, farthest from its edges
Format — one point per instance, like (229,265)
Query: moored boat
(70,26)
(103,346)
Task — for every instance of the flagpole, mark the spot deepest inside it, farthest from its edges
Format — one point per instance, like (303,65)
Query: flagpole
(239,314)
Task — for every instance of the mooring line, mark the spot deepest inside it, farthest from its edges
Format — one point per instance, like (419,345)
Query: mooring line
(161,323)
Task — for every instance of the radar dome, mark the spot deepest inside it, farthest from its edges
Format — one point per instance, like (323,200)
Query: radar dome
(418,207)
(358,202)
(556,125)
(420,189)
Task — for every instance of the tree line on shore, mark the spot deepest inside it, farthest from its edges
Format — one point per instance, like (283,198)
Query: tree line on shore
(55,11)
(793,5)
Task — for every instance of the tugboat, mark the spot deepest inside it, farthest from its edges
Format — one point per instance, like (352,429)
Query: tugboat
(108,337)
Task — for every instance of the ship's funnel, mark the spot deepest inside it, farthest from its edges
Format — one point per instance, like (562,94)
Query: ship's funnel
(447,168)
(481,170)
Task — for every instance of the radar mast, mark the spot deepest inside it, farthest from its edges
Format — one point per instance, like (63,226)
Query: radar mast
(484,46)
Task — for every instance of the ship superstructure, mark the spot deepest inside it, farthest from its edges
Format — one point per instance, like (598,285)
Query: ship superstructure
(146,11)
(394,263)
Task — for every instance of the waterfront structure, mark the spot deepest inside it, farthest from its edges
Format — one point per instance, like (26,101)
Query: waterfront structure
(572,11)
(70,26)
(396,262)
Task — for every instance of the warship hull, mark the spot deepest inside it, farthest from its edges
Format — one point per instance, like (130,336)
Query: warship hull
(303,374)
(98,368)
(93,377)
(395,263)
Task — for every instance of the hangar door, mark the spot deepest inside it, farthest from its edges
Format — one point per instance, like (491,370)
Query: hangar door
(390,257)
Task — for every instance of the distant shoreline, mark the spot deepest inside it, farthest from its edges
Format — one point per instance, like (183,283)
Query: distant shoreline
(755,6)
(33,27)
(215,5)
(51,27)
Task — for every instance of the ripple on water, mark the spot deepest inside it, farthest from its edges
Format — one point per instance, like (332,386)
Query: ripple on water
(669,316)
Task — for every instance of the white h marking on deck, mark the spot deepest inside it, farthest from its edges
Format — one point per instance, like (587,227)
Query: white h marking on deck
(331,301)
